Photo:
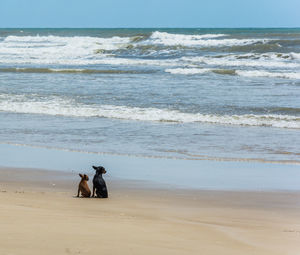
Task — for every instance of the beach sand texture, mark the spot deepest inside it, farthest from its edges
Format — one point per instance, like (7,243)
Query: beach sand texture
(39,214)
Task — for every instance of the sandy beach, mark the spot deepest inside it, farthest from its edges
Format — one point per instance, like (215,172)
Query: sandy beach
(189,109)
(39,213)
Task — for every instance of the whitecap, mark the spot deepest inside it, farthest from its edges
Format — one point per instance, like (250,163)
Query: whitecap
(206,40)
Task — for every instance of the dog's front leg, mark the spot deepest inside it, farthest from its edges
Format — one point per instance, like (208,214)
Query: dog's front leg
(78,192)
(93,191)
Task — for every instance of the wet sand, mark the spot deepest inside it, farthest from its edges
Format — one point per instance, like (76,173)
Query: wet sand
(39,214)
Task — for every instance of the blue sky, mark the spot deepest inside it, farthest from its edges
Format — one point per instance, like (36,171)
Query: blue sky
(149,13)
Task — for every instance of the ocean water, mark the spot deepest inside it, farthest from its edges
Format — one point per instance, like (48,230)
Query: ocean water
(222,94)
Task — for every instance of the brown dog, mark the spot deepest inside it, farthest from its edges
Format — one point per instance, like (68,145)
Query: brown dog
(83,186)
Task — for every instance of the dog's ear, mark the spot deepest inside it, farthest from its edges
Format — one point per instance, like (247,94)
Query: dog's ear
(95,167)
(81,175)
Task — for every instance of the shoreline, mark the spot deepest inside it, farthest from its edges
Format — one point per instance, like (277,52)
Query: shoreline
(168,173)
(188,156)
(67,182)
(139,219)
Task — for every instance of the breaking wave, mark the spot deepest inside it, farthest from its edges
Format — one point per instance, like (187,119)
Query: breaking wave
(59,54)
(57,50)
(75,42)
(92,50)
(207,40)
(70,108)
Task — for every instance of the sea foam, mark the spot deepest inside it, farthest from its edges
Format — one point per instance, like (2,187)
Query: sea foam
(207,40)
(187,70)
(56,49)
(70,108)
(259,73)
(242,60)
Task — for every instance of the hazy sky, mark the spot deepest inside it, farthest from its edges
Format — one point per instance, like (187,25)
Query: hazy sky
(149,13)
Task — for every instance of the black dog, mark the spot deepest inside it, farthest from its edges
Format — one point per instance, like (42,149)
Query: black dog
(98,183)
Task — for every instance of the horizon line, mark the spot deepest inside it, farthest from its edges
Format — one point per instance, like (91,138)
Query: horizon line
(246,27)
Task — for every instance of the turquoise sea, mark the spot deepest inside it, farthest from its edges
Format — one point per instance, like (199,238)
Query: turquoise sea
(223,94)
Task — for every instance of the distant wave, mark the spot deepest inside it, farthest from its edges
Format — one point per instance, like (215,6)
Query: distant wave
(57,50)
(261,60)
(188,70)
(102,60)
(70,108)
(154,50)
(78,50)
(71,71)
(257,73)
(269,74)
(208,40)
(86,50)
(68,43)
(183,71)
(191,71)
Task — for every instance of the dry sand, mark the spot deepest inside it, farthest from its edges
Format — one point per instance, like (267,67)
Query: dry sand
(39,214)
